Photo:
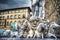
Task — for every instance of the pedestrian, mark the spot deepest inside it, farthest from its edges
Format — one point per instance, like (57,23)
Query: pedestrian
(12,26)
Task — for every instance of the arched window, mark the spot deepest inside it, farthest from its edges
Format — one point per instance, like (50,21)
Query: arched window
(23,15)
(19,16)
(15,16)
(7,23)
(0,23)
(3,17)
(16,11)
(7,17)
(11,16)
(10,22)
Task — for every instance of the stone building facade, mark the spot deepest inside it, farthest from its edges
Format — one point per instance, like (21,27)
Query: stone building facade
(12,15)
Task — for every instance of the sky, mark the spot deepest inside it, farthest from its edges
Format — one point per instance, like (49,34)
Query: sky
(7,4)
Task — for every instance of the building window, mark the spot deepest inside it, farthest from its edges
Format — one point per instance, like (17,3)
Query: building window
(13,11)
(0,17)
(15,16)
(3,17)
(23,15)
(0,23)
(2,13)
(10,11)
(11,16)
(6,12)
(10,22)
(19,16)
(16,11)
(7,23)
(7,17)
(24,10)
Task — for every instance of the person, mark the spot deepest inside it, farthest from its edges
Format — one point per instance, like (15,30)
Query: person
(12,26)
